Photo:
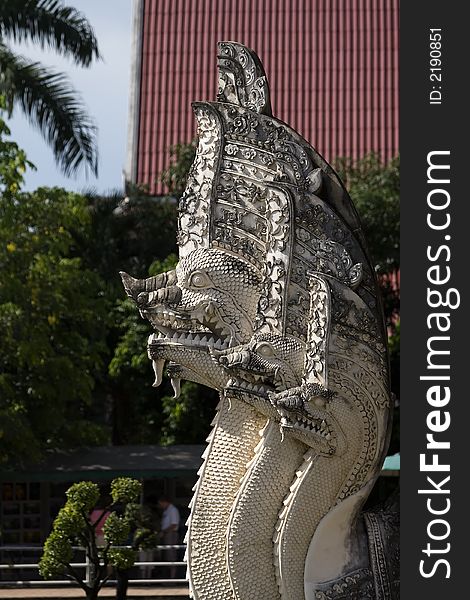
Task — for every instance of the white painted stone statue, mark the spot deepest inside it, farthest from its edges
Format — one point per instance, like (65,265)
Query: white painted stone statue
(275,303)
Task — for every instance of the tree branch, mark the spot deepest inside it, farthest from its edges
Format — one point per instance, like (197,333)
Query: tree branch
(50,23)
(75,576)
(51,104)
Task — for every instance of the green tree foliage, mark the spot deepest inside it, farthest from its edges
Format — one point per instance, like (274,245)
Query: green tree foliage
(374,187)
(176,175)
(187,418)
(13,161)
(375,190)
(126,525)
(45,95)
(53,318)
(129,235)
(73,363)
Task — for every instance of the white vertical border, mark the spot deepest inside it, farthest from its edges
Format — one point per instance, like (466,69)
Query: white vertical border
(134,91)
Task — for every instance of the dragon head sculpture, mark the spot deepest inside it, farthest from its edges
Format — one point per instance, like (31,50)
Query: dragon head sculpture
(274,300)
(273,266)
(208,302)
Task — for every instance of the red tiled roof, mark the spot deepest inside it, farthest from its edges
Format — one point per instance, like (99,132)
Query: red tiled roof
(332,66)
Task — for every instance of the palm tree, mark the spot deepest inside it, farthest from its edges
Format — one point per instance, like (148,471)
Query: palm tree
(45,95)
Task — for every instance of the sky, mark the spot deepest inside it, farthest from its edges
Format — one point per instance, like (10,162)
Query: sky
(104,88)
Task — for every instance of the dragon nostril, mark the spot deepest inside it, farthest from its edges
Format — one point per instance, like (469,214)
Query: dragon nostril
(142,299)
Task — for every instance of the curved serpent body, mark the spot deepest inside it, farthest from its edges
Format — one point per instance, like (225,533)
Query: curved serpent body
(255,512)
(274,303)
(224,465)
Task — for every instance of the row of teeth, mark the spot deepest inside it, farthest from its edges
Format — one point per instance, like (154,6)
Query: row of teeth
(314,426)
(256,377)
(168,318)
(194,339)
(164,313)
(164,318)
(173,323)
(249,387)
(304,423)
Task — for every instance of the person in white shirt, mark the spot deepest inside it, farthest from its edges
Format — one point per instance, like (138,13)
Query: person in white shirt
(169,530)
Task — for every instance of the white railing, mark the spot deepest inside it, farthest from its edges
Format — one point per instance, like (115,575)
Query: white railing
(11,567)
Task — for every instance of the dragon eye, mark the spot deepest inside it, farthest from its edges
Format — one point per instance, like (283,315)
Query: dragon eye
(265,350)
(199,280)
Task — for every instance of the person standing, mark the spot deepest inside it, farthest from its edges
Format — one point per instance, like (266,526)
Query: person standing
(169,530)
(97,518)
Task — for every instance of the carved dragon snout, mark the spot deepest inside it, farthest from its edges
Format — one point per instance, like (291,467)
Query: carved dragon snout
(188,308)
(150,292)
(297,398)
(259,367)
(304,412)
(244,359)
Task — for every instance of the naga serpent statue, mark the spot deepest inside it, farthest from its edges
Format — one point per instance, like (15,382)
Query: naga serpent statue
(275,303)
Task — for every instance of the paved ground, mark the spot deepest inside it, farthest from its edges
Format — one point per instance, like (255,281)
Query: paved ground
(163,593)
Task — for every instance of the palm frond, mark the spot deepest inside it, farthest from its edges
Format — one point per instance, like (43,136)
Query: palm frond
(53,106)
(51,24)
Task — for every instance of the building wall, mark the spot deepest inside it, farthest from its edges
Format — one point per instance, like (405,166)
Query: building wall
(28,508)
(332,67)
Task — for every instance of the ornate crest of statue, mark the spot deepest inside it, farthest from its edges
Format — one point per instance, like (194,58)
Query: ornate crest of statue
(275,303)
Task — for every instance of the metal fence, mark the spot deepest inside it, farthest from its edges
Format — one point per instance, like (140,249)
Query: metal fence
(19,566)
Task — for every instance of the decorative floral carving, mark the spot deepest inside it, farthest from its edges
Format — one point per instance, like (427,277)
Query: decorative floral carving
(241,78)
(193,225)
(383,529)
(356,586)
